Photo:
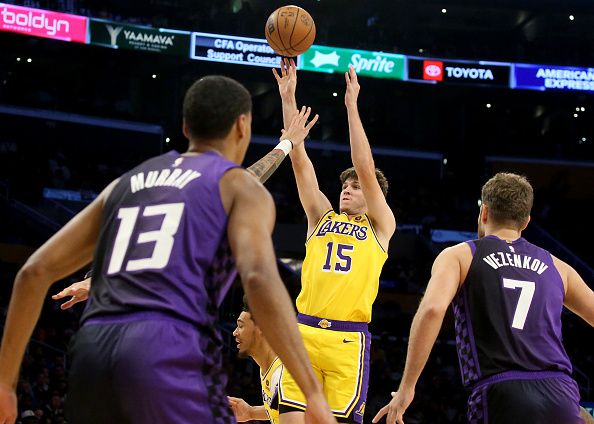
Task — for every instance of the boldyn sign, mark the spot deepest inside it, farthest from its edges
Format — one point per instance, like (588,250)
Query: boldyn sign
(543,77)
(367,63)
(134,37)
(43,23)
(459,72)
(230,49)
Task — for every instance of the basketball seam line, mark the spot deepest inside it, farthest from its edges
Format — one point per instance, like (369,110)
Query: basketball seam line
(279,35)
(271,41)
(293,30)
(313,25)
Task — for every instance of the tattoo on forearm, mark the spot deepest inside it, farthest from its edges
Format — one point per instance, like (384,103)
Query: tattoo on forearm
(266,166)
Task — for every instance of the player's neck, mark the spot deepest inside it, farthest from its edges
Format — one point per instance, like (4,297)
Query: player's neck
(353,214)
(508,234)
(203,148)
(220,147)
(264,356)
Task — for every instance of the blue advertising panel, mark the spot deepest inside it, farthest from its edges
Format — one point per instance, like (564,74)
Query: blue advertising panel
(231,49)
(546,77)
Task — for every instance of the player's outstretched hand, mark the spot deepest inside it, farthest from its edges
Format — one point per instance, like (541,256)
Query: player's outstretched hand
(8,404)
(299,127)
(79,292)
(241,409)
(352,88)
(318,411)
(400,402)
(287,80)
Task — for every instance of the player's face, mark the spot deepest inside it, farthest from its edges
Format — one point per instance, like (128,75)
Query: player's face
(244,333)
(352,200)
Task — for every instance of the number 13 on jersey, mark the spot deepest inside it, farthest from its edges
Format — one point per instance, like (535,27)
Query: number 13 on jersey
(163,237)
(339,259)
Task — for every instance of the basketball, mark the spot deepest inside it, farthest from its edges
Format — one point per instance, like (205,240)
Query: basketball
(290,30)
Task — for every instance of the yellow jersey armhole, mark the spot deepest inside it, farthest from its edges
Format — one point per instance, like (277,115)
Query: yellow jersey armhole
(375,234)
(318,224)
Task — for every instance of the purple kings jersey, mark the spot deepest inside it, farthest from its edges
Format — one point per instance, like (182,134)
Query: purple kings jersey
(508,311)
(163,242)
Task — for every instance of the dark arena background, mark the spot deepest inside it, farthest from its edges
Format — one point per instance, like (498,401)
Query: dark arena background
(452,91)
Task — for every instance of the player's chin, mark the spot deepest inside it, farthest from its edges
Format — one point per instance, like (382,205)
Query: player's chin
(243,353)
(346,209)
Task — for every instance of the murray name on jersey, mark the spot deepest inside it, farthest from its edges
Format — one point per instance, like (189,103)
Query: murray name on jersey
(163,178)
(500,259)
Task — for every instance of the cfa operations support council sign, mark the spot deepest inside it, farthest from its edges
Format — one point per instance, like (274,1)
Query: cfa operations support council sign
(142,38)
(545,77)
(231,49)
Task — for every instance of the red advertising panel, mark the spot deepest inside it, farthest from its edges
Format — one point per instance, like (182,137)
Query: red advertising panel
(432,70)
(43,23)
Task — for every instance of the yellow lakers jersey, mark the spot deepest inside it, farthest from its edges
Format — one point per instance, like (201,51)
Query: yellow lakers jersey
(270,380)
(340,274)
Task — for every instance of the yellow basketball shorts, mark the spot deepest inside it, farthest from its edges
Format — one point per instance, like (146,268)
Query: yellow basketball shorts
(339,353)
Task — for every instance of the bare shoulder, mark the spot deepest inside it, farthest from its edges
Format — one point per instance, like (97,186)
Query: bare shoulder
(107,190)
(239,183)
(459,251)
(459,256)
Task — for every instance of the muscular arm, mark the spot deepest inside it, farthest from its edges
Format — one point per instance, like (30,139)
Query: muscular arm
(266,166)
(296,130)
(245,412)
(67,251)
(258,413)
(378,210)
(251,220)
(442,287)
(314,202)
(449,269)
(579,298)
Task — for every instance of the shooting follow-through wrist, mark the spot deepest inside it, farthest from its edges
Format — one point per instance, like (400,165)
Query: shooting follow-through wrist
(285,145)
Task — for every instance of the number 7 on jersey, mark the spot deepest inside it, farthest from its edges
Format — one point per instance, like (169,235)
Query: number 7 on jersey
(524,302)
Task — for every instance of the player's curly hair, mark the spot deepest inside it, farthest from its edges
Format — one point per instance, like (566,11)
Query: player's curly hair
(381,178)
(246,307)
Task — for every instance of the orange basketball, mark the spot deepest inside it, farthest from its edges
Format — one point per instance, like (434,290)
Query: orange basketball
(290,30)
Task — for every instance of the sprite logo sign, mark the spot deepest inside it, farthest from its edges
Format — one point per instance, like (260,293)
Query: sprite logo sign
(371,64)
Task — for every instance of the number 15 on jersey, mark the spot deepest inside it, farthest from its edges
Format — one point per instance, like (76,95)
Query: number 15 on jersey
(339,259)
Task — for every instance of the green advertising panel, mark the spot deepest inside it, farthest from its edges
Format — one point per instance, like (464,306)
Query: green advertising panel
(134,37)
(371,64)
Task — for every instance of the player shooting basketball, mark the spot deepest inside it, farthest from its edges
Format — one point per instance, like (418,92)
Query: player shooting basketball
(345,253)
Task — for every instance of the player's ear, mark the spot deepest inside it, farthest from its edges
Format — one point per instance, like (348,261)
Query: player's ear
(484,213)
(525,224)
(185,129)
(242,126)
